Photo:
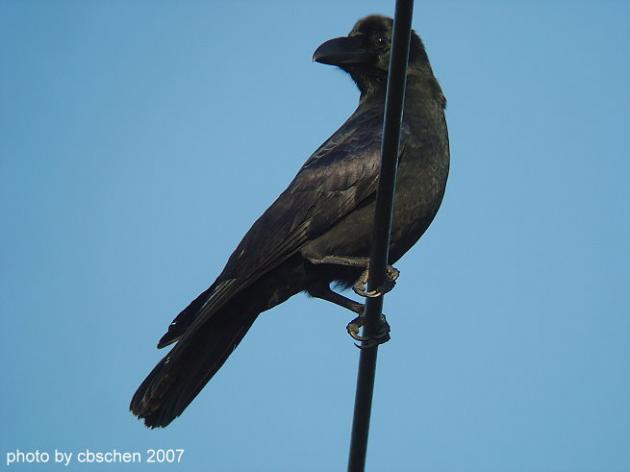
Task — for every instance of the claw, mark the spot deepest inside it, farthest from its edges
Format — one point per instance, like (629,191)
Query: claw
(382,336)
(391,274)
(354,327)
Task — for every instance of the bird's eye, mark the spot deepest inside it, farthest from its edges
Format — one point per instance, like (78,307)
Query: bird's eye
(380,40)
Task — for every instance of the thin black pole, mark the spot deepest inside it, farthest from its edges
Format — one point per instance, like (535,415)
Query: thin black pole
(382,227)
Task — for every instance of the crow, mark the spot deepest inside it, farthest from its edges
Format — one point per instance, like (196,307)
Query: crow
(318,231)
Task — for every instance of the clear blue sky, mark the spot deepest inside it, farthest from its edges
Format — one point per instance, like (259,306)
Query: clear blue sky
(138,142)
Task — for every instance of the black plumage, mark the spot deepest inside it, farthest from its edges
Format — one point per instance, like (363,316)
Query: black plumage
(319,229)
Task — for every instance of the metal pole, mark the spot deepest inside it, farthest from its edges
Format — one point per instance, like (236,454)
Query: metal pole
(382,227)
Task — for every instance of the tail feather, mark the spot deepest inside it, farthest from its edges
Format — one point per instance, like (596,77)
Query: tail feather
(205,340)
(178,327)
(177,379)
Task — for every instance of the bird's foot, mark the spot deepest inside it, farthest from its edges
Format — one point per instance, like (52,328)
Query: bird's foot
(360,286)
(366,342)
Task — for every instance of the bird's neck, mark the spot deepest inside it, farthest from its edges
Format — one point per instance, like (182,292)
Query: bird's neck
(425,88)
(372,87)
(420,85)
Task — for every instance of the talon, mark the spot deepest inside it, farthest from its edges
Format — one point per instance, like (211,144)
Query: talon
(354,327)
(360,283)
(367,342)
(391,274)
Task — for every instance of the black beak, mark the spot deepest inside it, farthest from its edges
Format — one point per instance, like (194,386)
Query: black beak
(344,50)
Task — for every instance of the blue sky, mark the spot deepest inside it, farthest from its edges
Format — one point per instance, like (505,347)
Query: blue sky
(139,141)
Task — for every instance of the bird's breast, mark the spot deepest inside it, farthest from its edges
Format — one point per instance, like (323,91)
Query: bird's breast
(420,185)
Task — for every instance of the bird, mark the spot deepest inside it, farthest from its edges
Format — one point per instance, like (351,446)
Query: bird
(317,233)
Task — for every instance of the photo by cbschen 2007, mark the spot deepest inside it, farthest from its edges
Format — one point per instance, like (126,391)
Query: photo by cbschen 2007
(88,456)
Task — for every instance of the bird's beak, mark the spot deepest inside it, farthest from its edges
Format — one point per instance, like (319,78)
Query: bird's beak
(344,50)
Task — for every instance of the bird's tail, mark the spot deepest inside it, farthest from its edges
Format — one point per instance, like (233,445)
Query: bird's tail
(204,344)
(182,373)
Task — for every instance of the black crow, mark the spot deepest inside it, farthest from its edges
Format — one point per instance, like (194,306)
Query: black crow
(319,230)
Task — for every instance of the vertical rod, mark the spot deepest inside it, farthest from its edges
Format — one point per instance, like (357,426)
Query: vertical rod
(379,256)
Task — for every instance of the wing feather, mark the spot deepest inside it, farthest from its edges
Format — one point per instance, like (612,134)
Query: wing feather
(334,181)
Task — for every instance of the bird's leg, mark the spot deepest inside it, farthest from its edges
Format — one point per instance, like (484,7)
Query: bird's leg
(323,292)
(360,286)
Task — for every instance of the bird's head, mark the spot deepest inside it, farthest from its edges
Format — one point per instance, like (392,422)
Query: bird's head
(364,53)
